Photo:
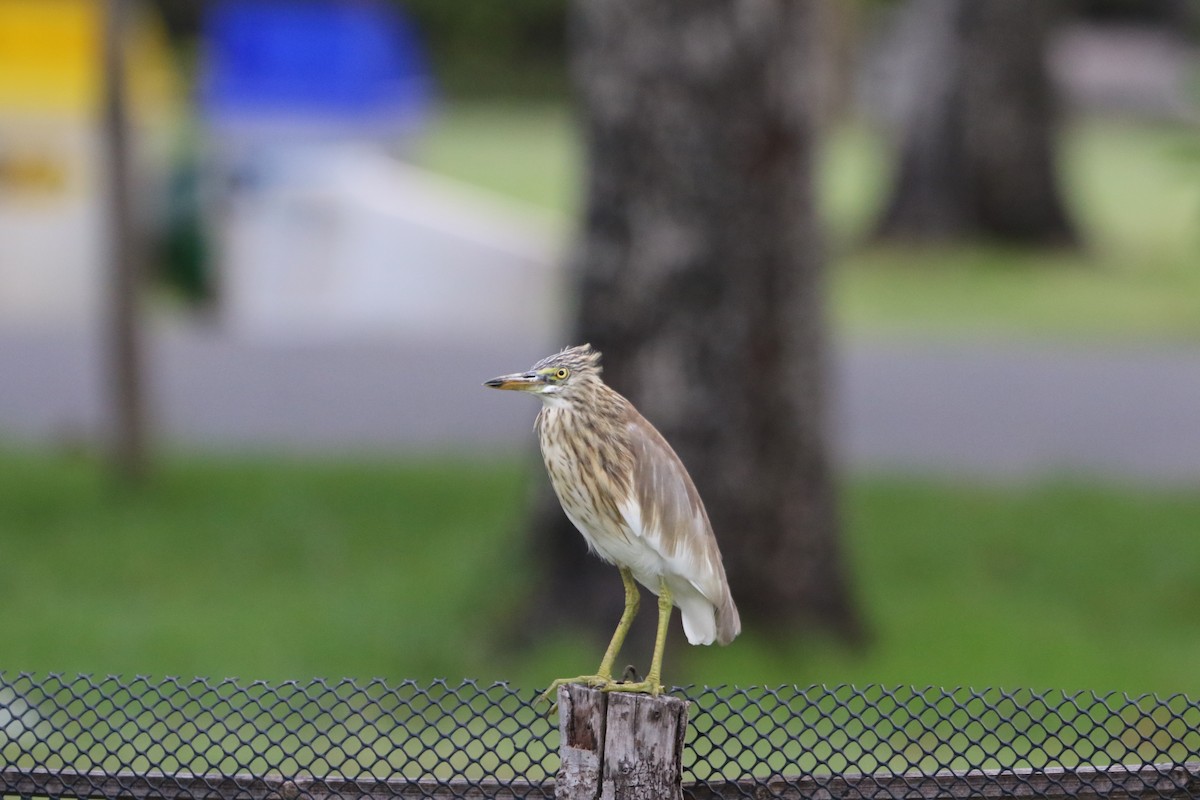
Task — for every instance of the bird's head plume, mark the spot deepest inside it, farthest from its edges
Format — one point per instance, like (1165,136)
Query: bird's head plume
(565,376)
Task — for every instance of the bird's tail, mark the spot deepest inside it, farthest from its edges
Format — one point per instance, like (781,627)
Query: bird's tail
(729,623)
(704,621)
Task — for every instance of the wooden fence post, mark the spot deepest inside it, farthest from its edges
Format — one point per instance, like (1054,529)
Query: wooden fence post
(618,746)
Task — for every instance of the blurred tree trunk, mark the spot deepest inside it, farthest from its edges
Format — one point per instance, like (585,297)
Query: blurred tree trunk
(977,139)
(838,29)
(700,277)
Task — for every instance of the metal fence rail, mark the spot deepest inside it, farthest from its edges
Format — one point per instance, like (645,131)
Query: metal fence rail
(141,738)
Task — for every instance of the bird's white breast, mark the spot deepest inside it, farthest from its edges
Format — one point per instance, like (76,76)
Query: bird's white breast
(604,526)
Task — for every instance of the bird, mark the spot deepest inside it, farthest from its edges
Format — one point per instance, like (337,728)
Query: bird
(630,496)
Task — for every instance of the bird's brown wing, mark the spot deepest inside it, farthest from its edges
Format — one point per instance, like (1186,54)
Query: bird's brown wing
(666,511)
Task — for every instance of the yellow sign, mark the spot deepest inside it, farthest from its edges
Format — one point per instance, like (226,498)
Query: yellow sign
(51,57)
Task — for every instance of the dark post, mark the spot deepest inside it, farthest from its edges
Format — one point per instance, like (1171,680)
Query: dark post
(128,432)
(617,746)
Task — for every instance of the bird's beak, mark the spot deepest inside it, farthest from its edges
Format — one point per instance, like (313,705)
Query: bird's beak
(520,382)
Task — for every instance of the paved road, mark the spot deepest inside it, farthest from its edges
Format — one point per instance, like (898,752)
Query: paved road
(991,410)
(1018,410)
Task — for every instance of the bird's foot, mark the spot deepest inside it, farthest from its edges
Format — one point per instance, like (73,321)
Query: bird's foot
(650,686)
(593,681)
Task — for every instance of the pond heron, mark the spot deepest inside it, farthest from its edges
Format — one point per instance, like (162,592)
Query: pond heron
(630,496)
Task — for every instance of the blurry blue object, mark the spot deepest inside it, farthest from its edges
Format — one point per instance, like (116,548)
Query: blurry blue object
(337,64)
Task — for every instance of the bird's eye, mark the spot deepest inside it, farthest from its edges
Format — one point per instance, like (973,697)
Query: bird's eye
(561,374)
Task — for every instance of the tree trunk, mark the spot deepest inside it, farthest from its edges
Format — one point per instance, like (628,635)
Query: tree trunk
(700,277)
(977,145)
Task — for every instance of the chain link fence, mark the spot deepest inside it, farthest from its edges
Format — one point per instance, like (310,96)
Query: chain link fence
(141,738)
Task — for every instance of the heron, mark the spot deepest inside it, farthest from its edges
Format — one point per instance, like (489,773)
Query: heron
(625,489)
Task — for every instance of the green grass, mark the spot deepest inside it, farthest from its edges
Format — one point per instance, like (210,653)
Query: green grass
(1054,586)
(1134,189)
(255,569)
(281,570)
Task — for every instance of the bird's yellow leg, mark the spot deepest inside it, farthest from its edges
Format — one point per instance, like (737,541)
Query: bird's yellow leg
(653,683)
(632,601)
(603,676)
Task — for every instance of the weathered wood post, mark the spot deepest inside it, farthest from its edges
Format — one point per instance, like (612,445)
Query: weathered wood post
(618,746)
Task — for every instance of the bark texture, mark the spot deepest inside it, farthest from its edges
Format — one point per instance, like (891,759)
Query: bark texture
(977,139)
(617,746)
(700,278)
